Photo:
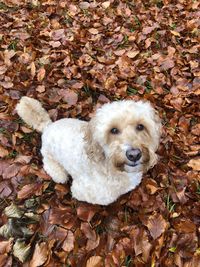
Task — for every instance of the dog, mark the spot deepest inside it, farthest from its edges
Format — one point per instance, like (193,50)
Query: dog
(106,156)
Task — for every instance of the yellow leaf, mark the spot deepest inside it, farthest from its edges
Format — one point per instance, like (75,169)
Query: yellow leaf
(93,31)
(132,54)
(194,164)
(175,33)
(33,69)
(94,261)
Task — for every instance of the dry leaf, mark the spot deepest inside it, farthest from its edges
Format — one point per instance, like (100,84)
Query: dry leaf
(93,31)
(156,225)
(68,244)
(40,88)
(194,164)
(41,74)
(28,190)
(33,69)
(3,152)
(40,255)
(21,250)
(94,261)
(175,33)
(69,96)
(106,4)
(132,54)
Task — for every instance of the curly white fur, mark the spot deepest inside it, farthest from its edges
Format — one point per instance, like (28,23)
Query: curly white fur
(94,156)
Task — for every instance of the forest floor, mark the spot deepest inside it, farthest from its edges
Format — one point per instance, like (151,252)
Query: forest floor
(74,56)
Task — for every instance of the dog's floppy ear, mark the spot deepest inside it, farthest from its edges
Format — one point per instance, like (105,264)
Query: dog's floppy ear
(92,147)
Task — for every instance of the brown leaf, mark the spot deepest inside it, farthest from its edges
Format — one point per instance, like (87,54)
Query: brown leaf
(8,54)
(5,246)
(196,129)
(156,225)
(3,152)
(40,255)
(40,88)
(87,230)
(41,74)
(185,226)
(55,44)
(68,244)
(147,30)
(11,171)
(132,53)
(33,69)
(58,34)
(151,186)
(167,64)
(93,31)
(3,69)
(5,189)
(28,190)
(175,33)
(93,238)
(85,212)
(69,96)
(7,84)
(84,5)
(106,4)
(94,261)
(194,164)
(3,260)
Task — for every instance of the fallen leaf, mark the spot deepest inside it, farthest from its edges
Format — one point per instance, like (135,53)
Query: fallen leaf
(58,34)
(11,171)
(3,152)
(7,84)
(175,33)
(132,54)
(84,5)
(93,31)
(40,88)
(94,261)
(33,69)
(41,74)
(69,96)
(156,225)
(167,64)
(106,4)
(151,186)
(68,244)
(28,190)
(6,246)
(21,250)
(40,255)
(194,164)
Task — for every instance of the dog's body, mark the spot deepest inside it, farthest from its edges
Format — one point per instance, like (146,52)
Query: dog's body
(104,163)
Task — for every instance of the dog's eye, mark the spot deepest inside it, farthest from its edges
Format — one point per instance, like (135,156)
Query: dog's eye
(114,131)
(140,127)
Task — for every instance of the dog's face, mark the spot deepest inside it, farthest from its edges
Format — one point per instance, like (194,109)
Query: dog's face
(125,135)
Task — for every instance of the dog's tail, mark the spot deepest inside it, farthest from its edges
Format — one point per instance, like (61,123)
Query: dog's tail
(32,112)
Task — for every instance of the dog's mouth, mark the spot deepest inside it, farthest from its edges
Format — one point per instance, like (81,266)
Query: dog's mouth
(129,166)
(133,164)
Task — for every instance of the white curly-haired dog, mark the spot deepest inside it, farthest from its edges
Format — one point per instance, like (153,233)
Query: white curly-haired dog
(105,156)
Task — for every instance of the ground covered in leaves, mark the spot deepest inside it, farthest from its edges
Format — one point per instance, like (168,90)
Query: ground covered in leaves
(74,56)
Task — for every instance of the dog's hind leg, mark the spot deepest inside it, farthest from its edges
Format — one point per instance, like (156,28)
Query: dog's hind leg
(55,170)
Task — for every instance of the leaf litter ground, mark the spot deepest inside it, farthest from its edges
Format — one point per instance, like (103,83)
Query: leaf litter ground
(75,56)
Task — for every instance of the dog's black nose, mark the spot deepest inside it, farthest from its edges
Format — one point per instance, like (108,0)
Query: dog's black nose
(133,154)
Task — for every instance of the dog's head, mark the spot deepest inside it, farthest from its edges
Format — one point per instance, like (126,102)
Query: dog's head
(124,135)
